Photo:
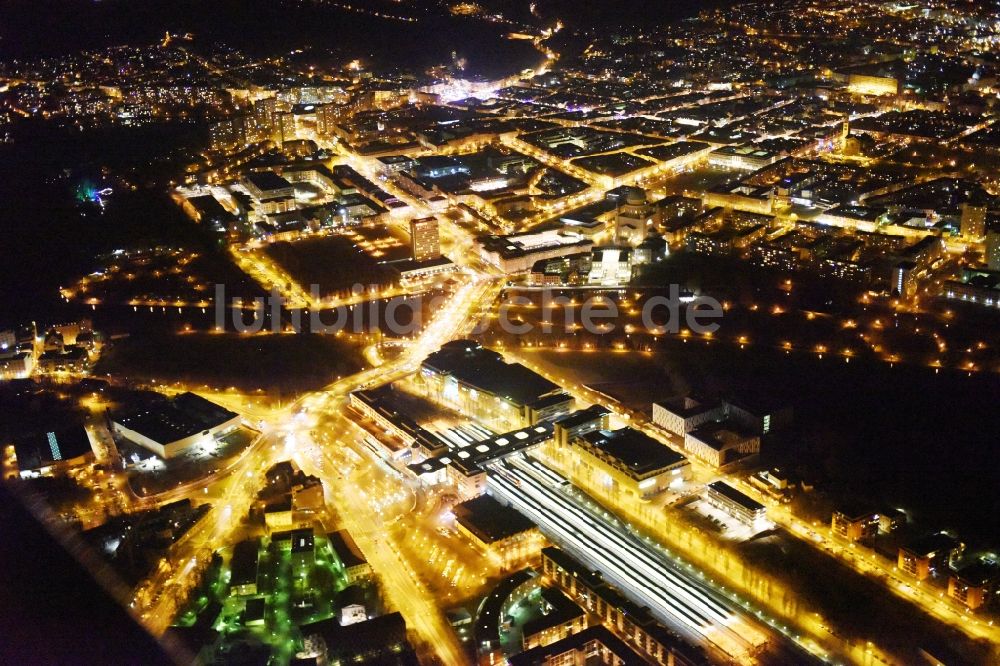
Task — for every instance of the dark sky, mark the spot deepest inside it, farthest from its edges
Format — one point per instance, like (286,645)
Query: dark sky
(51,27)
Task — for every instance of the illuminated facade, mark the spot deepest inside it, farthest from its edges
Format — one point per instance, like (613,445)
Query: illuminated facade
(864,84)
(425,240)
(975,585)
(497,529)
(626,619)
(930,555)
(682,415)
(477,382)
(17,365)
(169,430)
(53,451)
(731,501)
(973,221)
(627,464)
(854,525)
(611,266)
(633,219)
(721,443)
(270,193)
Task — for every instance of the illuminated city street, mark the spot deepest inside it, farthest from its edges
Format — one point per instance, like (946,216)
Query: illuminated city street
(500,333)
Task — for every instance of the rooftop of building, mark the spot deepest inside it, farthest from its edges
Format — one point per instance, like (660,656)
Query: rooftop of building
(637,451)
(932,544)
(575,568)
(405,266)
(719,434)
(293,536)
(490,520)
(243,564)
(581,417)
(185,415)
(45,448)
(485,370)
(267,181)
(343,544)
(856,510)
(544,654)
(981,572)
(383,400)
(303,541)
(377,637)
(734,495)
(68,353)
(519,245)
(487,627)
(685,406)
(561,609)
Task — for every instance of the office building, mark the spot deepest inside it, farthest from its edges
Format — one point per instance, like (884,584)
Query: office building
(975,585)
(595,645)
(931,555)
(425,240)
(611,266)
(476,381)
(628,620)
(497,529)
(300,544)
(973,221)
(380,640)
(759,416)
(580,422)
(682,415)
(278,514)
(875,83)
(993,249)
(904,279)
(731,501)
(243,568)
(561,617)
(519,252)
(721,443)
(493,610)
(627,463)
(854,523)
(271,194)
(346,552)
(17,365)
(745,158)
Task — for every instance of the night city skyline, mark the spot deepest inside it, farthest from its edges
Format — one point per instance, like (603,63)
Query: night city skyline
(492,332)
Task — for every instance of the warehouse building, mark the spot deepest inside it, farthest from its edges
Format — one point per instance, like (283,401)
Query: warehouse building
(52,451)
(170,428)
(479,383)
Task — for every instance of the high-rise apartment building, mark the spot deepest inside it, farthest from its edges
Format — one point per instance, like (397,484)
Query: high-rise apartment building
(425,239)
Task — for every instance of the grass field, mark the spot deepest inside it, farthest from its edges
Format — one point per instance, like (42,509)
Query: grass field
(286,363)
(333,263)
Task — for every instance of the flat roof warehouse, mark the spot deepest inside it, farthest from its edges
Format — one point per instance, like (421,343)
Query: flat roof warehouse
(640,453)
(171,427)
(486,370)
(187,414)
